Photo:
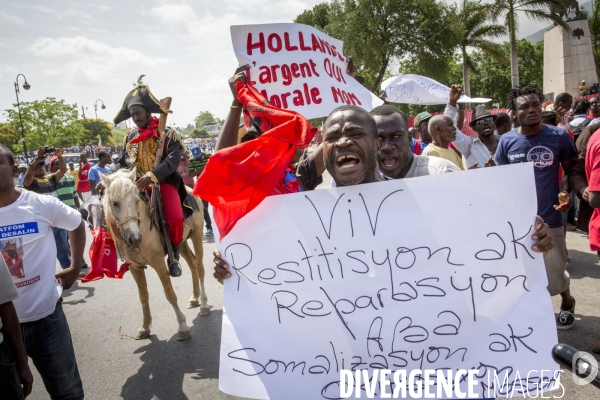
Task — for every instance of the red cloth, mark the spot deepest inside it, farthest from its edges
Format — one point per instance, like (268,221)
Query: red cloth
(173,212)
(592,170)
(147,132)
(83,185)
(237,179)
(103,257)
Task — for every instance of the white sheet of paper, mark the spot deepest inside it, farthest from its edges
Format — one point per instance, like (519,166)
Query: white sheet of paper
(423,273)
(300,68)
(417,89)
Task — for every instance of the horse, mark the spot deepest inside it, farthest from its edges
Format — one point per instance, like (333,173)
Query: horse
(140,244)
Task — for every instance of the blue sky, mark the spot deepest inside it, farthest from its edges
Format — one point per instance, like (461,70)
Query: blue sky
(81,51)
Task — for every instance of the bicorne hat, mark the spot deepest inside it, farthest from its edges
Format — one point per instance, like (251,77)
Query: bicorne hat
(480,112)
(140,96)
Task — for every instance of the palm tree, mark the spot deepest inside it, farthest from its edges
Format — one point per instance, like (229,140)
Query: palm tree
(538,10)
(476,33)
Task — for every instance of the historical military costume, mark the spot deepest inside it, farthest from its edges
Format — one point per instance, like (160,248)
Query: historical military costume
(140,150)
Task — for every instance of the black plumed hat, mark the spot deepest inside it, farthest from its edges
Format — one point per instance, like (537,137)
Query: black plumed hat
(140,96)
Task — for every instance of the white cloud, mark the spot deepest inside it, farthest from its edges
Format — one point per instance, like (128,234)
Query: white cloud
(12,18)
(88,61)
(69,13)
(100,6)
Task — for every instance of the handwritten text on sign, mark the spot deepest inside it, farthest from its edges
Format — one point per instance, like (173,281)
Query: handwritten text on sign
(406,274)
(298,67)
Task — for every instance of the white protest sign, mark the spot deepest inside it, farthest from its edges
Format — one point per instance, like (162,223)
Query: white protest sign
(417,89)
(424,273)
(298,67)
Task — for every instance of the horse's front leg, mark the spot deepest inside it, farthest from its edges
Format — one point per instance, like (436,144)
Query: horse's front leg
(183,332)
(139,276)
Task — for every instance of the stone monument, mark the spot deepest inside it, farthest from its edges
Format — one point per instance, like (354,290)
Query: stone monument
(568,55)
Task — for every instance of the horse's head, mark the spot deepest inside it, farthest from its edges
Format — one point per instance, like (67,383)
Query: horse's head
(122,202)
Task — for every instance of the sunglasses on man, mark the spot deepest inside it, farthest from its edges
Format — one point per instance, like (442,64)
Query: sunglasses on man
(484,120)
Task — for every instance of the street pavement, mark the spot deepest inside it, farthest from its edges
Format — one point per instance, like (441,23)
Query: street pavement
(105,315)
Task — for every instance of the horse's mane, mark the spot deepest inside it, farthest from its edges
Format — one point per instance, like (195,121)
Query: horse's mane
(120,185)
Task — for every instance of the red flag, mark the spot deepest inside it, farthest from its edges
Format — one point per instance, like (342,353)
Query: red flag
(103,257)
(237,179)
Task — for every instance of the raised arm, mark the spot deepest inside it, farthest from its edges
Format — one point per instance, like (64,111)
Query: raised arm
(228,136)
(28,179)
(62,165)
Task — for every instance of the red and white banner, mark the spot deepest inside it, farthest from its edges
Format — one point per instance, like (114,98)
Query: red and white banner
(298,67)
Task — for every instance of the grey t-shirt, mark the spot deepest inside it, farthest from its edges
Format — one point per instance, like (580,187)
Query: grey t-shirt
(8,290)
(429,165)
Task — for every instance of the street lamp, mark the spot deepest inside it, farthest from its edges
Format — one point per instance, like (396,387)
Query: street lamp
(96,107)
(26,86)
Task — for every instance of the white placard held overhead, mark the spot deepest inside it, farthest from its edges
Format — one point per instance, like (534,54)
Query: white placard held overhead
(397,275)
(298,67)
(417,89)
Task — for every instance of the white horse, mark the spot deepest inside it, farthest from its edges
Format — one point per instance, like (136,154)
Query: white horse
(128,220)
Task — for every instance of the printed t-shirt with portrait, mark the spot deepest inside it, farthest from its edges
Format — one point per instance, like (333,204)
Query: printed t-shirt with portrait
(546,149)
(29,250)
(84,184)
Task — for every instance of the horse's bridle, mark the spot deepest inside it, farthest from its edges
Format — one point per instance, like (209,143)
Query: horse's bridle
(120,223)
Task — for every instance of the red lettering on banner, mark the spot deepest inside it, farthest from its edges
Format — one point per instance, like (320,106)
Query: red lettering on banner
(274,72)
(300,98)
(325,45)
(258,45)
(333,70)
(284,99)
(344,97)
(315,44)
(314,94)
(288,46)
(303,47)
(305,70)
(313,65)
(265,75)
(335,53)
(278,46)
(306,94)
(295,69)
(286,74)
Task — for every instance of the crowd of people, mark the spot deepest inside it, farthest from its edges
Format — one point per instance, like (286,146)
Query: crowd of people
(44,193)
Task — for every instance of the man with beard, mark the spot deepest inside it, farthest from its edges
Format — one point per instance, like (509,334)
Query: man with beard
(443,131)
(548,147)
(396,159)
(350,146)
(480,150)
(140,150)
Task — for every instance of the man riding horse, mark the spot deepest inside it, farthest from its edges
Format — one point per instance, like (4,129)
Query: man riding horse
(140,150)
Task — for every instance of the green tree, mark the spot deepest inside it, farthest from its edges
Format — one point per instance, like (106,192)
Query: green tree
(205,117)
(9,136)
(376,32)
(47,122)
(537,10)
(95,130)
(317,17)
(474,31)
(594,21)
(118,135)
(200,134)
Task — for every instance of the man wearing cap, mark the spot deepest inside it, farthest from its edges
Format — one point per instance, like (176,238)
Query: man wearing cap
(140,150)
(420,123)
(583,88)
(114,166)
(196,166)
(477,152)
